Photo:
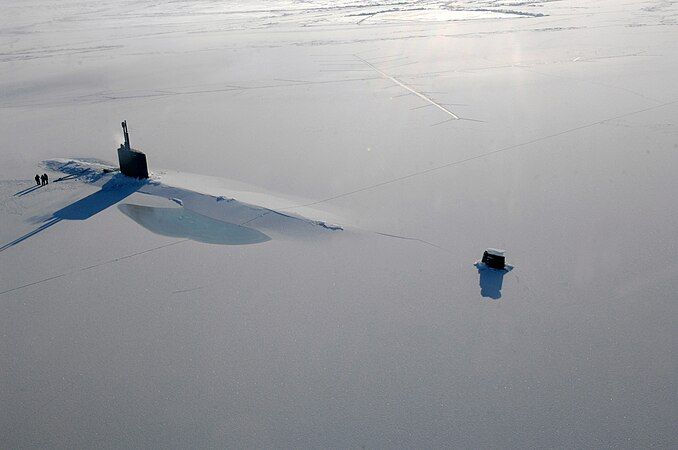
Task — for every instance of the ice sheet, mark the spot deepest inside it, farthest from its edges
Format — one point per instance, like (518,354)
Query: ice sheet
(124,333)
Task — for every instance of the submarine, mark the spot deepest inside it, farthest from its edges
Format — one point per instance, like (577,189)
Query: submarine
(132,162)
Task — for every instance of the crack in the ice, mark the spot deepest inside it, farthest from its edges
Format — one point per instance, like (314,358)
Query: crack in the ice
(408,238)
(480,156)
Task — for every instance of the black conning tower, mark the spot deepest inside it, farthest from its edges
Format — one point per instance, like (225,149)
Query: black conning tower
(132,162)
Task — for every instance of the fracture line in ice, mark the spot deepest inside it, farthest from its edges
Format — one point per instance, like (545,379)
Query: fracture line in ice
(94,266)
(480,156)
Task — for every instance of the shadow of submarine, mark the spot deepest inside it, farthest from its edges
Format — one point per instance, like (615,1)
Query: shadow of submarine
(113,191)
(172,222)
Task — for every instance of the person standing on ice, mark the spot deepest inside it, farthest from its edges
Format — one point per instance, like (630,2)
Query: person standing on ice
(44,176)
(37,179)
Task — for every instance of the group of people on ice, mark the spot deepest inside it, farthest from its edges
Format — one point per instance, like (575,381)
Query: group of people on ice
(41,180)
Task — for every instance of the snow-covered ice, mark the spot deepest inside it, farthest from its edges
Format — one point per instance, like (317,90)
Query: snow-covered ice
(207,215)
(339,166)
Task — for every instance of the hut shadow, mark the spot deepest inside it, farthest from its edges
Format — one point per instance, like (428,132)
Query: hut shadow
(491,281)
(114,190)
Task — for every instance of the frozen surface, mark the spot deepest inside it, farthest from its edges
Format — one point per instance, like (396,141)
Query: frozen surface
(430,131)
